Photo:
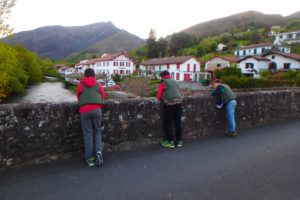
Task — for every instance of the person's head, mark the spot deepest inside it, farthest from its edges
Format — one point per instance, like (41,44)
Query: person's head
(164,73)
(89,72)
(216,82)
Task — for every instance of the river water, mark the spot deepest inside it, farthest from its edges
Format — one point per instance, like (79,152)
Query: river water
(44,92)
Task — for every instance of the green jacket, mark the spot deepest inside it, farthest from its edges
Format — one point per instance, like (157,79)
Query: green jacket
(171,91)
(90,95)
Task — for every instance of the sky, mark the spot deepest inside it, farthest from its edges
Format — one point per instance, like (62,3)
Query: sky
(137,16)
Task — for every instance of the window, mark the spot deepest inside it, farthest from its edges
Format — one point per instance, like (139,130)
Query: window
(244,52)
(115,63)
(286,65)
(168,66)
(178,66)
(121,63)
(273,57)
(263,50)
(255,51)
(219,65)
(188,67)
(177,76)
(249,65)
(127,64)
(238,53)
(194,67)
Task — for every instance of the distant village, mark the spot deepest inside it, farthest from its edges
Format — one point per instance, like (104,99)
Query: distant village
(251,60)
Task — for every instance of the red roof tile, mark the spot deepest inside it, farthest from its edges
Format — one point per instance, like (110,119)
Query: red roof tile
(287,55)
(229,59)
(256,45)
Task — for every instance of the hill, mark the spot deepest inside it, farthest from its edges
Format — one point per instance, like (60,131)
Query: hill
(242,20)
(60,42)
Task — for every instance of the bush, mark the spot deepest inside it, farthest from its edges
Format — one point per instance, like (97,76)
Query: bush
(247,82)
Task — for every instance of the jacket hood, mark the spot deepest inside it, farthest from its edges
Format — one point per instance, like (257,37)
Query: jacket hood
(167,76)
(89,81)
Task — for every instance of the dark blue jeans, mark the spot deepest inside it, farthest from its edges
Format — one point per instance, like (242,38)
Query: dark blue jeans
(91,130)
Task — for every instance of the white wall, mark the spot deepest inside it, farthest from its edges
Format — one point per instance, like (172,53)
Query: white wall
(107,67)
(212,64)
(251,51)
(173,68)
(258,65)
(280,60)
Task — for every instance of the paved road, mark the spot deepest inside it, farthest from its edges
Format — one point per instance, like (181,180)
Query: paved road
(260,164)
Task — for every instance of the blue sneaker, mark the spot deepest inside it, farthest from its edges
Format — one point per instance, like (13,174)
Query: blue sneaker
(99,159)
(91,161)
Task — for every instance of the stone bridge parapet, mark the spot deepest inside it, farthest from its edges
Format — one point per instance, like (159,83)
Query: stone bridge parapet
(46,132)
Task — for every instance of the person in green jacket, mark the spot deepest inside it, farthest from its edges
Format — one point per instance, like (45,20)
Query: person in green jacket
(91,98)
(169,95)
(224,93)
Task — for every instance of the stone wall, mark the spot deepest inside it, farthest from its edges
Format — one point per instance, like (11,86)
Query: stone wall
(46,132)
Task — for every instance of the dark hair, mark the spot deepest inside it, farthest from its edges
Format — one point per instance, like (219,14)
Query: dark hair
(164,73)
(89,72)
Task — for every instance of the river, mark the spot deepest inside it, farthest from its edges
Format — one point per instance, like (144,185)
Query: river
(44,92)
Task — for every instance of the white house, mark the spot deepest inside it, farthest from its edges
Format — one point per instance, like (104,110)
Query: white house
(252,65)
(81,66)
(259,49)
(220,62)
(119,63)
(183,68)
(282,61)
(221,47)
(288,37)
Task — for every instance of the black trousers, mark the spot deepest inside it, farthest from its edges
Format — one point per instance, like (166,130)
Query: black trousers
(172,115)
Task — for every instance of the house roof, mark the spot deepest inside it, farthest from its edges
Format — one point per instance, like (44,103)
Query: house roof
(287,55)
(229,59)
(106,57)
(252,46)
(167,60)
(259,58)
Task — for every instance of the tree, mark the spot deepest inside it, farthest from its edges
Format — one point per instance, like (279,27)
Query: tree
(151,45)
(180,41)
(5,7)
(293,25)
(162,46)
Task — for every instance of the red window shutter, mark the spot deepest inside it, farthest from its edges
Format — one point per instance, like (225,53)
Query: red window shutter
(177,76)
(188,67)
(194,67)
(178,66)
(168,66)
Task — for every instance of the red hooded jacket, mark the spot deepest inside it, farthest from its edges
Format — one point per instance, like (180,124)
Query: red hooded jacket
(89,82)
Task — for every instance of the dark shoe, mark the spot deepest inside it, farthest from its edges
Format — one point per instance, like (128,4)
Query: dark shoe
(231,134)
(99,159)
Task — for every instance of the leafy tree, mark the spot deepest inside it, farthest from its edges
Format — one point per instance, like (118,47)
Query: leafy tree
(5,8)
(29,62)
(255,37)
(47,67)
(180,41)
(293,25)
(162,46)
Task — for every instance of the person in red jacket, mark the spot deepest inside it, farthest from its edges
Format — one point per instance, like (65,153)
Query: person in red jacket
(91,96)
(169,95)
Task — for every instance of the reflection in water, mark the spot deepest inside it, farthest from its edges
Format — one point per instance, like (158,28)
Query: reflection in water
(45,92)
